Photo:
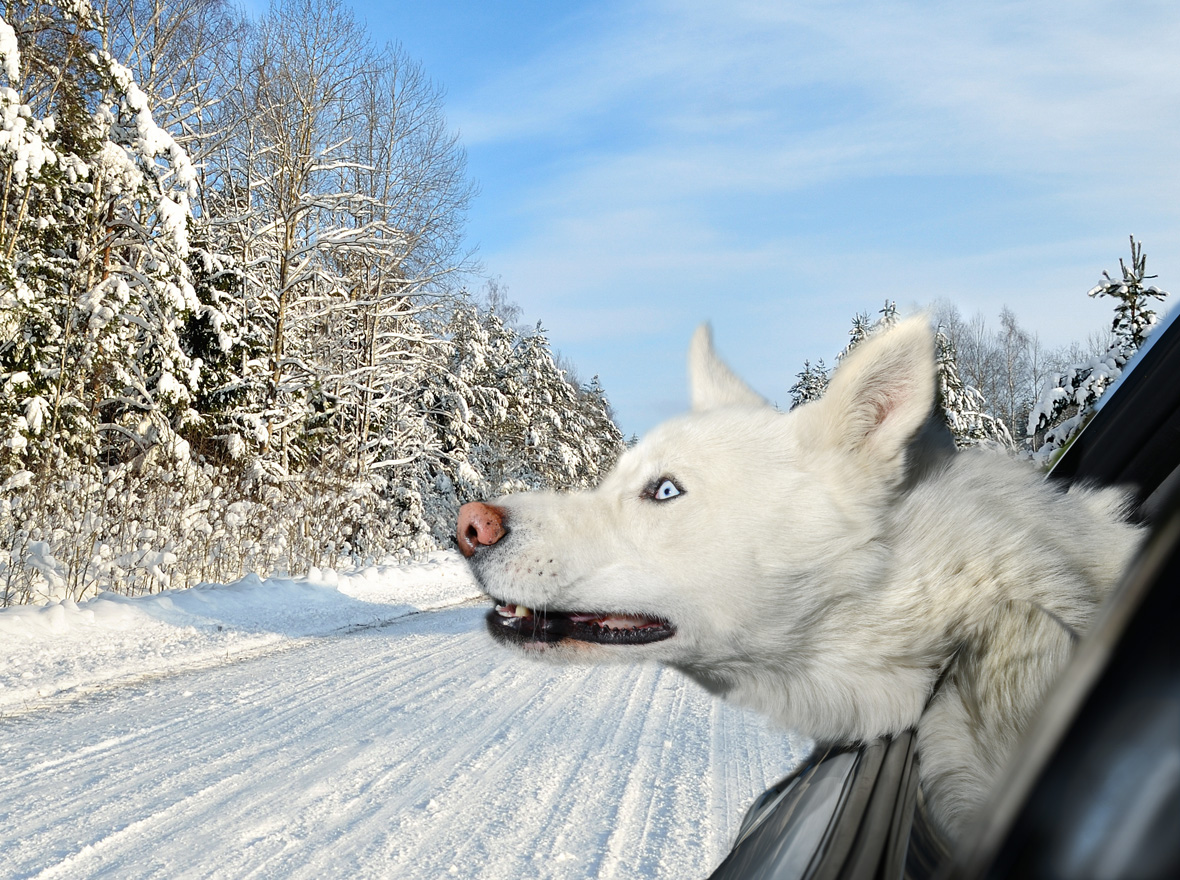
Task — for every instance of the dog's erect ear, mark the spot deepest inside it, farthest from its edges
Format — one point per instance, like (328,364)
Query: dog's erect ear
(711,382)
(881,395)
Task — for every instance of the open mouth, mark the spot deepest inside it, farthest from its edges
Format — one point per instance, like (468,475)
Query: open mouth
(521,625)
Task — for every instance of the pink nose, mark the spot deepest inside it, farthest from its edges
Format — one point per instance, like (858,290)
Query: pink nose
(480,525)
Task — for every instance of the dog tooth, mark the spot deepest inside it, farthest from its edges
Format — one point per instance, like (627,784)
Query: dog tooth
(523,611)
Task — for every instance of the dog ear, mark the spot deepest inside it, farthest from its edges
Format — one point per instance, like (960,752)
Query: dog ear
(711,382)
(881,395)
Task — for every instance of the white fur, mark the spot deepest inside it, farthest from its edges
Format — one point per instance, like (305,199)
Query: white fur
(808,578)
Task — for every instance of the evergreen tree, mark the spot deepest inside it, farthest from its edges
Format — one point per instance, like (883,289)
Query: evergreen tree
(523,424)
(862,327)
(812,383)
(963,405)
(598,429)
(1133,317)
(1069,396)
(94,228)
(889,315)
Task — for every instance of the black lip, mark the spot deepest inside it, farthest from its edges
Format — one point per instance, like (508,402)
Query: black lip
(547,627)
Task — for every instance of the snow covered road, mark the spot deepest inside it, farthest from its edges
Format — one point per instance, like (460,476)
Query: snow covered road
(411,749)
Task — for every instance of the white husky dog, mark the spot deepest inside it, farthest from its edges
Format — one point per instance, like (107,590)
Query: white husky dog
(797,564)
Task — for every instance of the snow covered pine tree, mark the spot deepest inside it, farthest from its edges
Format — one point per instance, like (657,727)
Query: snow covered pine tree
(1068,397)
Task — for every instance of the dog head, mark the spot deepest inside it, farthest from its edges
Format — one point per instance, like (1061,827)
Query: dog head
(727,530)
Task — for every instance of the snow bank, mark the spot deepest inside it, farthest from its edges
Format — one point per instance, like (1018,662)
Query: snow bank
(64,646)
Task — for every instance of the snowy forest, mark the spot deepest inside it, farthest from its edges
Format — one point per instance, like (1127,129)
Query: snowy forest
(237,330)
(1002,387)
(234,328)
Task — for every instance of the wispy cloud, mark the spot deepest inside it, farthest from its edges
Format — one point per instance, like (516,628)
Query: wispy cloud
(661,161)
(998,82)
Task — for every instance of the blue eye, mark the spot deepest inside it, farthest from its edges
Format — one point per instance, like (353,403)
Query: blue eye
(664,490)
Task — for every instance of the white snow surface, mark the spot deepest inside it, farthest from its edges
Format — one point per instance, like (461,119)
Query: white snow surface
(355,724)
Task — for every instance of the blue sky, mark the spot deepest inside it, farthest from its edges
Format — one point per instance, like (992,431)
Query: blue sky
(775,167)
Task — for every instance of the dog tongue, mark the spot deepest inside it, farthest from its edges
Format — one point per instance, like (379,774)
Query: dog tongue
(625,621)
(616,621)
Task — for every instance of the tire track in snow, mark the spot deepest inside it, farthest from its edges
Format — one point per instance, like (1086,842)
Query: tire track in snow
(251,650)
(162,762)
(415,750)
(582,771)
(642,789)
